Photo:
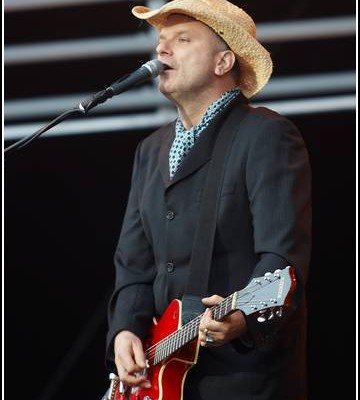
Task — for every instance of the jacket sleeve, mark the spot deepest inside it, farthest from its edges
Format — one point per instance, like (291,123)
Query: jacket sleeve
(131,306)
(279,189)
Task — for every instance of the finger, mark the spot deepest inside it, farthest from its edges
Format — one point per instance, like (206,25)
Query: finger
(130,379)
(205,319)
(202,335)
(133,360)
(121,371)
(212,300)
(127,362)
(203,327)
(139,354)
(135,380)
(210,327)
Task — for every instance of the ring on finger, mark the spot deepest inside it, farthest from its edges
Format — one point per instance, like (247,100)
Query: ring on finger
(209,339)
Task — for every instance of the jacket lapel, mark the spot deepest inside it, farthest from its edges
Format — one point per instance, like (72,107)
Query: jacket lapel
(199,154)
(201,151)
(167,140)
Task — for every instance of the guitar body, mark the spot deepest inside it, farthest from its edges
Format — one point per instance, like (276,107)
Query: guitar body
(172,349)
(167,378)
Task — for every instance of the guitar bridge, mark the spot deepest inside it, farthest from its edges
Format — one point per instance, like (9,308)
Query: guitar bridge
(114,383)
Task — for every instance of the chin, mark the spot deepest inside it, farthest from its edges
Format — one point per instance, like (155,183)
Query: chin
(165,89)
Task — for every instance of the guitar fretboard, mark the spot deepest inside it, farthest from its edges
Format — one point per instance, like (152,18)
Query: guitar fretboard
(186,333)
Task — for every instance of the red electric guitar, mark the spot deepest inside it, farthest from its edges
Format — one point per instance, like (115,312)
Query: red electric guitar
(171,349)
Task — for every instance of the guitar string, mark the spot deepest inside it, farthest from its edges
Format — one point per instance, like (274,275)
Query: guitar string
(188,328)
(163,345)
(187,333)
(168,346)
(185,330)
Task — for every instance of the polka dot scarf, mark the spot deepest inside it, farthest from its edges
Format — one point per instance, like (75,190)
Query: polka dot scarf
(184,140)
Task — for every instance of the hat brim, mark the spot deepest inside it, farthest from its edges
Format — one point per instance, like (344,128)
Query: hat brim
(254,60)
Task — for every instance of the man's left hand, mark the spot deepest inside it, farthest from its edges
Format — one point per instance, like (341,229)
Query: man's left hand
(216,333)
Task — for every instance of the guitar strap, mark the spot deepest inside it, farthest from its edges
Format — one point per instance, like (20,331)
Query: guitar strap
(202,252)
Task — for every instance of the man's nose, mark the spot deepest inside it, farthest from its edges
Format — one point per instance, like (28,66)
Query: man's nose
(163,47)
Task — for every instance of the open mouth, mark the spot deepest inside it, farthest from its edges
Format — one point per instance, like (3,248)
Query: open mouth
(167,67)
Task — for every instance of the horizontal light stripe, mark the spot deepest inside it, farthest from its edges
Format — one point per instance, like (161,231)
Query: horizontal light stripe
(140,43)
(322,28)
(149,97)
(158,118)
(26,5)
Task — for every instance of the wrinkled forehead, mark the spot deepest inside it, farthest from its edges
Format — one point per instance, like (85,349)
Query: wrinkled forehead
(179,23)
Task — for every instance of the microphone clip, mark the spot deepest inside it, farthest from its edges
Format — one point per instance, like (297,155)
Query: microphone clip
(97,98)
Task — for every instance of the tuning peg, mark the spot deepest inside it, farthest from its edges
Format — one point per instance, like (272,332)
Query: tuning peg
(271,315)
(277,273)
(279,312)
(267,276)
(261,318)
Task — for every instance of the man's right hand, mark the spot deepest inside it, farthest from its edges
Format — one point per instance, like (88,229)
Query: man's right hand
(130,359)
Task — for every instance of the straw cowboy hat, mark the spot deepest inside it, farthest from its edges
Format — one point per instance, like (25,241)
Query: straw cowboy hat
(233,25)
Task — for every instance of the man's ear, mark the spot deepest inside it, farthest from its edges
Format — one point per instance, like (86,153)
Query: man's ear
(225,62)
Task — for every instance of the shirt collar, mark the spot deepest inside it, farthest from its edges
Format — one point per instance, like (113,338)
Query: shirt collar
(212,111)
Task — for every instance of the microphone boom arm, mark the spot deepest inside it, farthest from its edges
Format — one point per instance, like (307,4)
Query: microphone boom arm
(149,70)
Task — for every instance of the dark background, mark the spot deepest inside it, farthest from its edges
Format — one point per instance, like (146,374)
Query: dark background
(65,196)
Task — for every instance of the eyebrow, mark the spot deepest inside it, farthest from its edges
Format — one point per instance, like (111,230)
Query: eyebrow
(181,32)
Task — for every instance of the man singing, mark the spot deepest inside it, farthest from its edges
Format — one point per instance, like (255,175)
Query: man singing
(213,65)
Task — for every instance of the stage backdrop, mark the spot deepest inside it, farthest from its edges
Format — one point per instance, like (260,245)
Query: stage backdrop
(65,194)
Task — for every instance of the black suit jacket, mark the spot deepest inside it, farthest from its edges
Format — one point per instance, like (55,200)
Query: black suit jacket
(264,223)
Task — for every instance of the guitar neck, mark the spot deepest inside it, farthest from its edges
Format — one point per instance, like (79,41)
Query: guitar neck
(188,332)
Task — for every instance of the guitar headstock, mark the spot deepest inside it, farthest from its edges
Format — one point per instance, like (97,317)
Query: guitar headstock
(268,294)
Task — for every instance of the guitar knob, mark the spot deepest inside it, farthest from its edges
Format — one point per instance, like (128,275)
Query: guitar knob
(279,312)
(147,398)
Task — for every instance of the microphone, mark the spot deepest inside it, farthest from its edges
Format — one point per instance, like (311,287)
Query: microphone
(149,70)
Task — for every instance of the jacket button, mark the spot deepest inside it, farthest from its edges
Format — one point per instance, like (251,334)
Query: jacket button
(170,267)
(170,215)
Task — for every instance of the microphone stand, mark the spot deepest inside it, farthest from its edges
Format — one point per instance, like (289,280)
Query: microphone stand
(151,69)
(28,139)
(83,108)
